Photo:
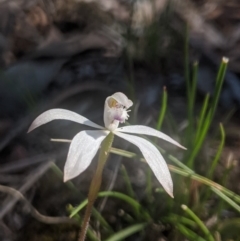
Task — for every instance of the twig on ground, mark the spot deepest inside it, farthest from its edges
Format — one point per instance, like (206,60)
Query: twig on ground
(30,180)
(40,217)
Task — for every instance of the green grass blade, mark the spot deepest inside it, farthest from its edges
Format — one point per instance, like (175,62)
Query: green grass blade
(121,235)
(205,181)
(179,163)
(149,184)
(191,103)
(175,219)
(226,199)
(77,209)
(206,122)
(123,153)
(163,109)
(185,173)
(92,235)
(202,116)
(189,234)
(219,152)
(199,222)
(219,83)
(194,86)
(137,208)
(200,140)
(127,182)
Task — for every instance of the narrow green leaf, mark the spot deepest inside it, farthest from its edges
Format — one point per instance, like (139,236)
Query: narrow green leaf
(199,222)
(219,82)
(191,103)
(189,233)
(77,209)
(175,219)
(194,85)
(219,152)
(226,199)
(184,172)
(127,182)
(163,109)
(202,116)
(121,235)
(137,208)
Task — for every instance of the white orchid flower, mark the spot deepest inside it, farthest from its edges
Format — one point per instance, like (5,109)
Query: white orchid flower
(85,144)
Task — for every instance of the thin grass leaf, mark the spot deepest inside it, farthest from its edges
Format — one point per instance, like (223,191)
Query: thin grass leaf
(191,102)
(205,181)
(219,152)
(149,184)
(175,219)
(163,109)
(77,209)
(188,233)
(199,222)
(127,182)
(219,83)
(202,116)
(194,85)
(92,235)
(226,199)
(185,173)
(177,162)
(137,208)
(121,235)
(59,173)
(200,140)
(209,117)
(123,153)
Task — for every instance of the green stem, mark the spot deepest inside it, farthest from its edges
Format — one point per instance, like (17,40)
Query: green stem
(226,198)
(128,182)
(96,183)
(219,83)
(163,109)
(199,222)
(202,117)
(219,152)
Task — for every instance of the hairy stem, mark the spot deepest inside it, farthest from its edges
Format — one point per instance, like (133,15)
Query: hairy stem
(96,183)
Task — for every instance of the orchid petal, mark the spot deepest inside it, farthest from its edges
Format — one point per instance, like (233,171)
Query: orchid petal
(82,150)
(145,130)
(154,159)
(55,114)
